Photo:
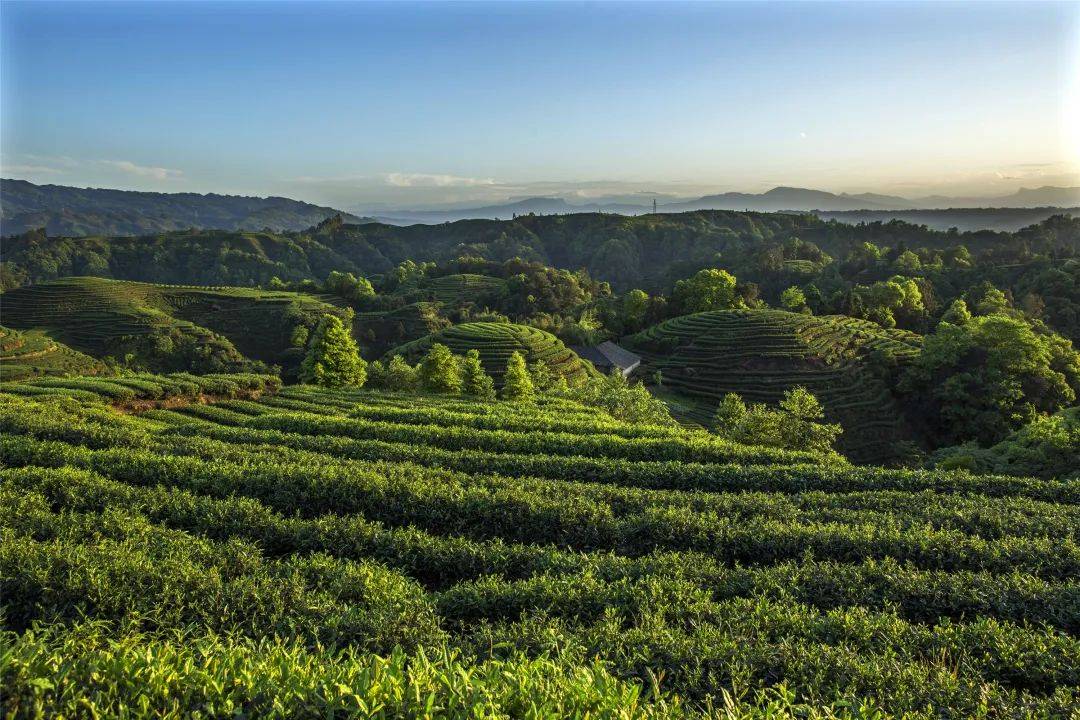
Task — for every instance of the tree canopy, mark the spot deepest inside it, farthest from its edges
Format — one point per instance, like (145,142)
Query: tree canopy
(333,358)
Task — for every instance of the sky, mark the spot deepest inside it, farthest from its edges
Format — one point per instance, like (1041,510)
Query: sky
(376,105)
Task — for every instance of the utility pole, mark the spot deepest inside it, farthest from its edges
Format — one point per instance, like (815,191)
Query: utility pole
(654,206)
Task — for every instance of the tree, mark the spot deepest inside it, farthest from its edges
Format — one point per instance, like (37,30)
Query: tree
(517,385)
(635,305)
(908,263)
(400,375)
(730,411)
(333,359)
(475,381)
(801,427)
(541,375)
(709,289)
(299,336)
(795,425)
(348,286)
(990,375)
(439,371)
(993,302)
(622,399)
(793,299)
(957,314)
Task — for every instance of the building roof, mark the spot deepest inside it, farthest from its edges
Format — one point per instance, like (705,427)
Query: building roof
(608,354)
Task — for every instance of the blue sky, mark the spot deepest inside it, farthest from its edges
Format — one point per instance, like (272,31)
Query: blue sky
(364,105)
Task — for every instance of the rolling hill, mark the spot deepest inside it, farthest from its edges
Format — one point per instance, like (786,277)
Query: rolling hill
(496,342)
(650,251)
(167,327)
(33,353)
(761,353)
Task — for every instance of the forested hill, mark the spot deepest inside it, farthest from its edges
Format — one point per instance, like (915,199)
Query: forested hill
(75,211)
(648,251)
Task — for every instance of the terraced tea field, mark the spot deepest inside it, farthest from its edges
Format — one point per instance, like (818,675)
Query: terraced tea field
(761,353)
(33,353)
(464,288)
(96,316)
(307,553)
(497,341)
(384,330)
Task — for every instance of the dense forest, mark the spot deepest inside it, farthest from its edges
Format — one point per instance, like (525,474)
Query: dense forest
(839,266)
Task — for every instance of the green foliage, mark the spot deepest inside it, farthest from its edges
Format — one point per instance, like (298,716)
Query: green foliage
(268,557)
(1048,446)
(439,371)
(991,375)
(299,336)
(793,298)
(890,302)
(517,384)
(333,359)
(957,313)
(57,672)
(635,305)
(795,426)
(847,363)
(709,289)
(400,375)
(475,381)
(908,263)
(541,375)
(348,286)
(621,399)
(496,341)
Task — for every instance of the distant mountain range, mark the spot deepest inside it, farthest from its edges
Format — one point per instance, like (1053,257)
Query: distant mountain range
(75,211)
(778,199)
(71,211)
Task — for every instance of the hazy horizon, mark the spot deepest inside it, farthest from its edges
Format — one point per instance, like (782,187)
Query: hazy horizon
(404,105)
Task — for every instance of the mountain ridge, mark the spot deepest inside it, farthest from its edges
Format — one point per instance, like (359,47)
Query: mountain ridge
(71,211)
(778,199)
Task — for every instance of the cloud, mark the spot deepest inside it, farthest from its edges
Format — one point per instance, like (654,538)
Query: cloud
(31,170)
(156,173)
(430,180)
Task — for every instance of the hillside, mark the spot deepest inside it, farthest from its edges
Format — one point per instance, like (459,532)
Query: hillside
(650,252)
(33,353)
(310,550)
(496,342)
(73,211)
(761,353)
(172,328)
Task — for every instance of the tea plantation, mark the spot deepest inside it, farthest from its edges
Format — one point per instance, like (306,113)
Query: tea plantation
(231,326)
(175,546)
(761,353)
(33,353)
(497,341)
